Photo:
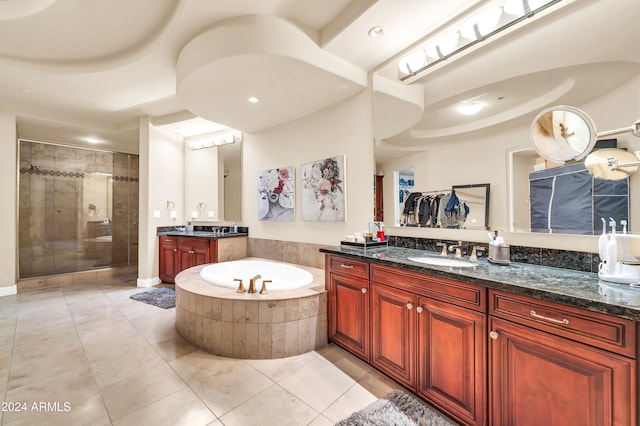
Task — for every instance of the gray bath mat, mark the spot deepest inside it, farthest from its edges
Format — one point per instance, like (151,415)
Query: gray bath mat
(161,297)
(397,408)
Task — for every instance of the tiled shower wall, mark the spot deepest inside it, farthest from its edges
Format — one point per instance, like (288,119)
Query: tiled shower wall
(77,209)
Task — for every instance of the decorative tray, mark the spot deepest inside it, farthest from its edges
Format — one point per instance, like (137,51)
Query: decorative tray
(364,245)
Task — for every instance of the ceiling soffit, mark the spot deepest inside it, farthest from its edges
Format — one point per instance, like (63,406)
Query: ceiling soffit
(270,59)
(86,36)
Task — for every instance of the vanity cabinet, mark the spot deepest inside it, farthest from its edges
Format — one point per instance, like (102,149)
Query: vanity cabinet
(554,364)
(348,306)
(485,356)
(180,253)
(429,334)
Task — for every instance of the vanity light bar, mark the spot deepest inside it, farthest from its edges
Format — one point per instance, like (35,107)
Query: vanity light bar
(468,32)
(213,140)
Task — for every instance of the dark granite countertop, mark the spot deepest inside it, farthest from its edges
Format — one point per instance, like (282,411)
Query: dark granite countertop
(573,288)
(204,234)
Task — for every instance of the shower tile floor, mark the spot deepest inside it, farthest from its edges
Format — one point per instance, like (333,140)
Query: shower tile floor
(87,354)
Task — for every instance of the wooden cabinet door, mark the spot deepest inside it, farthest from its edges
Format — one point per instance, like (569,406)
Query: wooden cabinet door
(193,252)
(200,252)
(349,313)
(541,379)
(452,359)
(393,332)
(169,261)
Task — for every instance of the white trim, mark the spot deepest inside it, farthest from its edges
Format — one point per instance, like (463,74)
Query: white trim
(8,290)
(148,282)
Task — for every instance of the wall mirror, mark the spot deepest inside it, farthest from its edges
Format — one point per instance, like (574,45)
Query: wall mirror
(213,178)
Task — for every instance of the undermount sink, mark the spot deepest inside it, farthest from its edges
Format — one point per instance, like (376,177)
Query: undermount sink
(444,261)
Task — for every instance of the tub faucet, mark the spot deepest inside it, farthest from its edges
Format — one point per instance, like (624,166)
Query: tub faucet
(252,283)
(263,290)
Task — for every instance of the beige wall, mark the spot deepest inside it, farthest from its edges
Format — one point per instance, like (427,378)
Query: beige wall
(161,180)
(345,128)
(483,159)
(8,199)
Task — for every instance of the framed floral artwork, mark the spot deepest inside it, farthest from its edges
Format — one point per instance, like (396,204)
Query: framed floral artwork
(276,194)
(323,196)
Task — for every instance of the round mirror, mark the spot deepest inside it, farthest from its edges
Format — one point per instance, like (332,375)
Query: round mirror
(611,163)
(562,133)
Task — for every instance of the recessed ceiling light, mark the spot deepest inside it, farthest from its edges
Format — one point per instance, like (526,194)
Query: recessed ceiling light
(253,100)
(92,140)
(470,108)
(25,90)
(376,31)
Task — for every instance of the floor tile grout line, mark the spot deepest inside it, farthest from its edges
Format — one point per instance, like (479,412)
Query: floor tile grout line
(93,373)
(171,367)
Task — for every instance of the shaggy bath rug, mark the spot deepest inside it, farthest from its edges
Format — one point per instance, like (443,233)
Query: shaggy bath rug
(397,408)
(164,298)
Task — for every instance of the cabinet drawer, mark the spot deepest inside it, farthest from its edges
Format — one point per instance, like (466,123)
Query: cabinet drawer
(342,265)
(168,240)
(592,328)
(194,243)
(443,289)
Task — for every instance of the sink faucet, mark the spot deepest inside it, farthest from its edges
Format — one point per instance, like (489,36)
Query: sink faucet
(458,248)
(444,248)
(474,253)
(252,283)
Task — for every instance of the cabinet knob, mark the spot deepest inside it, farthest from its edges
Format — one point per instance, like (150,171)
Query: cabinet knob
(409,306)
(493,334)
(191,251)
(419,309)
(364,290)
(342,265)
(175,249)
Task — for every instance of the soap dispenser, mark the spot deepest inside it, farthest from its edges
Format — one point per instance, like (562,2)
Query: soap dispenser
(612,250)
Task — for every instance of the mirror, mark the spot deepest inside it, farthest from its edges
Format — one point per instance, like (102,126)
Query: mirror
(476,199)
(612,164)
(562,133)
(231,207)
(213,184)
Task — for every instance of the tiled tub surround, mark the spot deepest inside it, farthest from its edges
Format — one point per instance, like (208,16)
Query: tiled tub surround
(306,254)
(241,325)
(576,260)
(575,288)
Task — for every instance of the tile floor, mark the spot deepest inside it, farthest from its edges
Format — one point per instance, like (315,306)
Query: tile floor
(87,354)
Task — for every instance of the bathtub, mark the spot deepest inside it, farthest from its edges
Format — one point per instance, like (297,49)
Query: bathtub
(282,276)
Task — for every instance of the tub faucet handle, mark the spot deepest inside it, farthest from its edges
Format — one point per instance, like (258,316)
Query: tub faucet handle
(444,248)
(252,284)
(240,286)
(263,290)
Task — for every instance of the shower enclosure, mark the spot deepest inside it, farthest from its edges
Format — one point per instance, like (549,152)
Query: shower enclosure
(77,210)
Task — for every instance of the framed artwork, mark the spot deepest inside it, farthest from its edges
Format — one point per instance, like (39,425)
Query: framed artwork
(277,194)
(323,190)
